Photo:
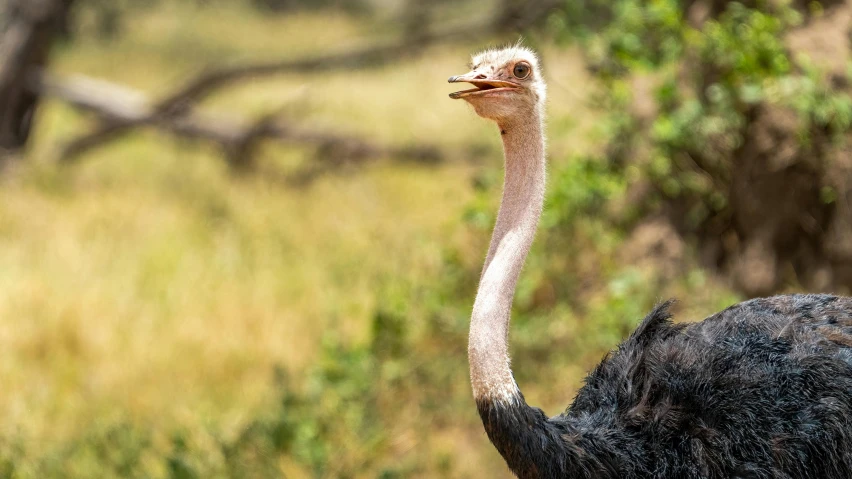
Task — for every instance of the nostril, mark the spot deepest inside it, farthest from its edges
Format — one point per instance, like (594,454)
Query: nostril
(481,76)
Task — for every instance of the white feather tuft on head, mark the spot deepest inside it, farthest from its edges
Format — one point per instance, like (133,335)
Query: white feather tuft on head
(499,57)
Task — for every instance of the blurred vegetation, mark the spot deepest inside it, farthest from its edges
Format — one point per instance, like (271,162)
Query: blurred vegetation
(163,319)
(735,134)
(107,19)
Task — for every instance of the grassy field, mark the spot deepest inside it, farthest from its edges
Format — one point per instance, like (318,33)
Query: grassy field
(148,269)
(148,283)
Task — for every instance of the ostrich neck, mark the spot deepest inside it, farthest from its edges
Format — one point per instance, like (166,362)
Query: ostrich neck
(520,210)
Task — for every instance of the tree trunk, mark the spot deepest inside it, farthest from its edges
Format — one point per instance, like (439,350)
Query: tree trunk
(26,34)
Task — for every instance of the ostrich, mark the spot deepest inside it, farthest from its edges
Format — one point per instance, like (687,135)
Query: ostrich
(762,389)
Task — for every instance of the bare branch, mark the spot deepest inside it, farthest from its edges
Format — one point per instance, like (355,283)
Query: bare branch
(374,55)
(119,109)
(368,56)
(29,38)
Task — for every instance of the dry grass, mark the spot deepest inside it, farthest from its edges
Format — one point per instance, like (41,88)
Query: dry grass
(147,281)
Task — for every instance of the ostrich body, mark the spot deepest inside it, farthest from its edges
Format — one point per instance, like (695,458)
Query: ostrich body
(762,389)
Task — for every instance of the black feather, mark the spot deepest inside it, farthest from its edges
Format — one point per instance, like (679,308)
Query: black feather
(762,389)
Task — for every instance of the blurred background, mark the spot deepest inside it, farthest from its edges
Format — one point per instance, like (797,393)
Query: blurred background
(241,238)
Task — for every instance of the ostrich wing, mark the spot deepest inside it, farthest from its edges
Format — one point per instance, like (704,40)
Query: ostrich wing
(761,389)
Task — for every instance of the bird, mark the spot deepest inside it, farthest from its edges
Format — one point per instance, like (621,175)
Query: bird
(762,389)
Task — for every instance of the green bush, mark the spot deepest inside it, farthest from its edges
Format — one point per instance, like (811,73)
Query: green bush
(716,84)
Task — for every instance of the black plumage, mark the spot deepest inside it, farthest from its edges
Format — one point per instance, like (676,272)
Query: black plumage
(760,390)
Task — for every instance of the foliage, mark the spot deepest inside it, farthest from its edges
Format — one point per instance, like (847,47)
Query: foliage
(686,98)
(623,34)
(744,51)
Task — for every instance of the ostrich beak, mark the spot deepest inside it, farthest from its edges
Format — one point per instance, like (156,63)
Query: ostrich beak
(483,84)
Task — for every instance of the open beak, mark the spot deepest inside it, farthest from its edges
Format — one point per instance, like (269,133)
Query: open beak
(483,85)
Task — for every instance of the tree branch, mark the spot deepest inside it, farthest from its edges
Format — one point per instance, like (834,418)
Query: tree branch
(120,109)
(215,78)
(373,55)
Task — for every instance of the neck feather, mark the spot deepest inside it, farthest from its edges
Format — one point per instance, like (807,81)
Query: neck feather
(520,210)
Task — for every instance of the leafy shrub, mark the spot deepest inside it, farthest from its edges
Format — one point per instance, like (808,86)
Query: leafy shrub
(726,95)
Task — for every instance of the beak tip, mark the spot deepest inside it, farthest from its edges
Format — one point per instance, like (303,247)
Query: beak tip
(452,79)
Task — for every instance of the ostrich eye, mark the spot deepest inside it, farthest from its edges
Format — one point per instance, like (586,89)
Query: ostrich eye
(521,70)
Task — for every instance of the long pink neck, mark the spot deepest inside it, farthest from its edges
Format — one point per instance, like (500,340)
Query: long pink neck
(520,210)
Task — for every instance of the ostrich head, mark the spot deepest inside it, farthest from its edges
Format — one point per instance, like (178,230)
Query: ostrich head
(508,84)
